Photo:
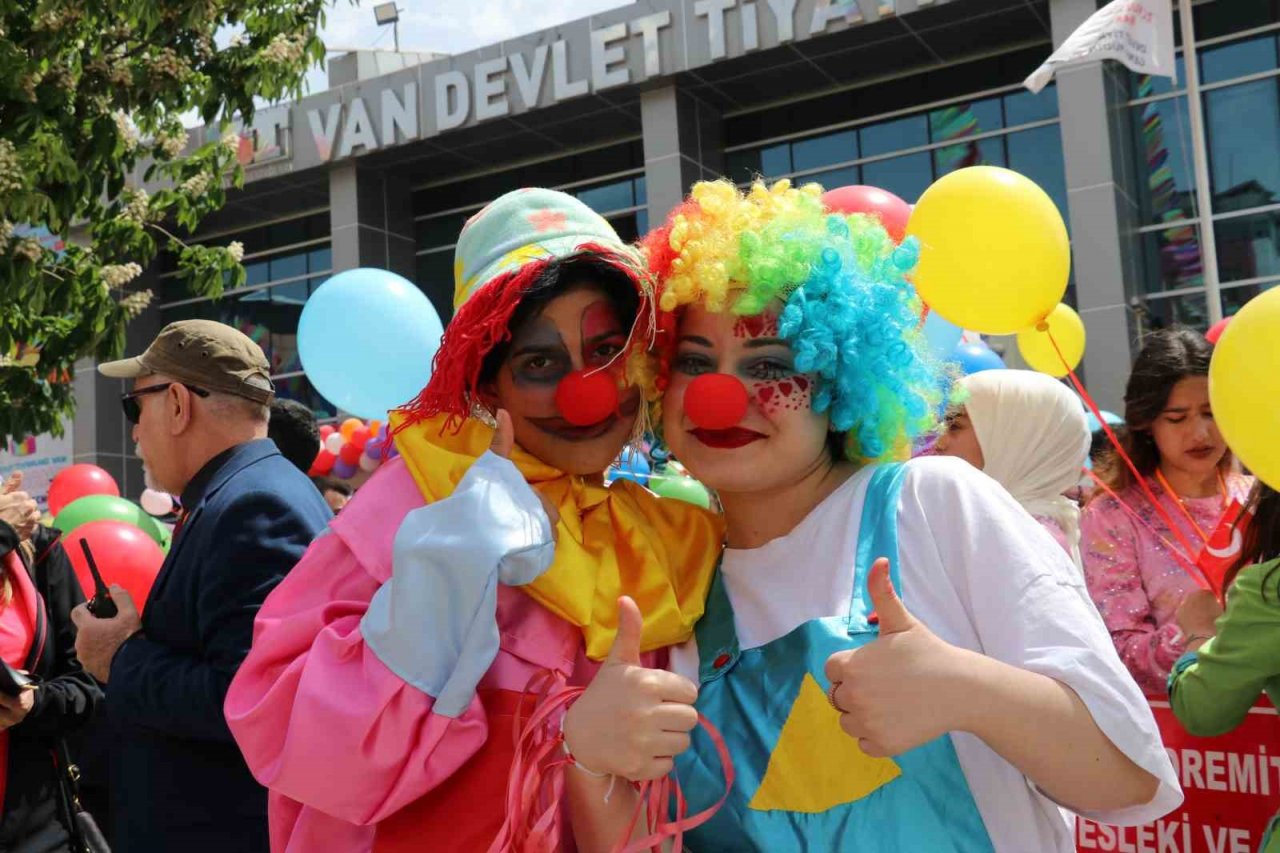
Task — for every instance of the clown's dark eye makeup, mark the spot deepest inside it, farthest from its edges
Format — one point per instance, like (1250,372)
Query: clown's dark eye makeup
(764,369)
(694,364)
(539,366)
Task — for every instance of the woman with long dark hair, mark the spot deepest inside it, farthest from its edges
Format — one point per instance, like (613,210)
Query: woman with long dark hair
(1135,561)
(1228,664)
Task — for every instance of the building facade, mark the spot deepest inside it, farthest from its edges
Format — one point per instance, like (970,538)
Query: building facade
(628,108)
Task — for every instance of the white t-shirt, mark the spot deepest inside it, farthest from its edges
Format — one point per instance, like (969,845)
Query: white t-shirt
(982,575)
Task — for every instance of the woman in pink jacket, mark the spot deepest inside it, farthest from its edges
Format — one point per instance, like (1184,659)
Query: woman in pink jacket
(380,701)
(1135,564)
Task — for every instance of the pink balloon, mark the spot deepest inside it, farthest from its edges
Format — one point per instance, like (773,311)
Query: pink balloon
(892,211)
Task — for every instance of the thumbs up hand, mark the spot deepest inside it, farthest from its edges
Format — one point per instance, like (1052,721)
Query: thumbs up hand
(902,689)
(631,721)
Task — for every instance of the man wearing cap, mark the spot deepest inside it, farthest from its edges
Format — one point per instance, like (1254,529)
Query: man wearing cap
(199,405)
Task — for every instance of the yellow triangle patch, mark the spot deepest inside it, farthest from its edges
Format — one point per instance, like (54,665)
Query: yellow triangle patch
(815,765)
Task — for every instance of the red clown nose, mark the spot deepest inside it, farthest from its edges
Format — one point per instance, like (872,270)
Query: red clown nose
(586,399)
(715,401)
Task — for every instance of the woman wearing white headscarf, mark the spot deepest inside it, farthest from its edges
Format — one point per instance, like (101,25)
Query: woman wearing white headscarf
(1028,432)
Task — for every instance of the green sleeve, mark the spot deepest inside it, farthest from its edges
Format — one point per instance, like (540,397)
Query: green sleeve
(1212,689)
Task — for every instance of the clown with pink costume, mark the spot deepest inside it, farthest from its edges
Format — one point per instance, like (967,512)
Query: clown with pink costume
(476,579)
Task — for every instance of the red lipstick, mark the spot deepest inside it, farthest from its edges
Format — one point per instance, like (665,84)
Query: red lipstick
(726,439)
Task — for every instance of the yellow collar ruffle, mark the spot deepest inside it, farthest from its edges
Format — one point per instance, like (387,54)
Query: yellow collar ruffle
(611,541)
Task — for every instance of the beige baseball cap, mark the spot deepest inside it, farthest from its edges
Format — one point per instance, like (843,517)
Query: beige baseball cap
(203,353)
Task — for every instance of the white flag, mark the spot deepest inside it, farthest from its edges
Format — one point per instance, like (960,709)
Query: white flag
(1136,33)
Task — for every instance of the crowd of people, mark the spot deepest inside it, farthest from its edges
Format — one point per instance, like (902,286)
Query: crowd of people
(491,648)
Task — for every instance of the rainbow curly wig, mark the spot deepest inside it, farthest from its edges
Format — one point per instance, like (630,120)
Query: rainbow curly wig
(847,308)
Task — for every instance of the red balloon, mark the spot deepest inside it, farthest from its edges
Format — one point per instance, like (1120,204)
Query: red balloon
(360,437)
(78,481)
(715,401)
(350,454)
(1216,330)
(326,431)
(124,554)
(323,463)
(893,211)
(586,399)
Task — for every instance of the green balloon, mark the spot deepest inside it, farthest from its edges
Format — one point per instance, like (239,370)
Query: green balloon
(166,537)
(684,489)
(99,507)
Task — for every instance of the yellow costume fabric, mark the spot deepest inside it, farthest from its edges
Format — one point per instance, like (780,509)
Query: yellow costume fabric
(619,540)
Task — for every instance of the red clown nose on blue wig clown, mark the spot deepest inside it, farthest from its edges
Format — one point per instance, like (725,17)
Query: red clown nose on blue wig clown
(715,401)
(585,398)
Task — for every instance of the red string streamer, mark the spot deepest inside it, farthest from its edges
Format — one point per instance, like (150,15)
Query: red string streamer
(1186,557)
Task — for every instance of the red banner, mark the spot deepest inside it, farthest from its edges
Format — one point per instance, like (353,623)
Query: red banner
(1232,788)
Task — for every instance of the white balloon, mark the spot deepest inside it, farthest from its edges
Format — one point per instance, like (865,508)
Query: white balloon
(334,443)
(368,463)
(156,503)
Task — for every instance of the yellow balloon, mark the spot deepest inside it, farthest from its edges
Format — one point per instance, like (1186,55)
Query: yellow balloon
(994,254)
(1067,329)
(1244,384)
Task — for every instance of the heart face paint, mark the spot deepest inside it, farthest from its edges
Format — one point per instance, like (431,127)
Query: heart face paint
(787,392)
(775,396)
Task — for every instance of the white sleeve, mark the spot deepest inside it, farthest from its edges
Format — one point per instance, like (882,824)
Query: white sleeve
(1029,608)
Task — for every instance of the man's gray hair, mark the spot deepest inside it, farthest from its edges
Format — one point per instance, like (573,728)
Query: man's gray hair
(231,406)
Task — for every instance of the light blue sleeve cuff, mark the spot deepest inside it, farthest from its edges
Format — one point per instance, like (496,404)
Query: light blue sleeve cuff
(434,623)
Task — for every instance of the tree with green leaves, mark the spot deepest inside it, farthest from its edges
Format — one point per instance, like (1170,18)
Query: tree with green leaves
(90,91)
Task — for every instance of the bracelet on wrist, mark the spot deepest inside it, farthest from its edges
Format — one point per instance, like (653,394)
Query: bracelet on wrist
(577,765)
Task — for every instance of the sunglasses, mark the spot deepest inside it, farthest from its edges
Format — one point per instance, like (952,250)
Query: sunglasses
(133,409)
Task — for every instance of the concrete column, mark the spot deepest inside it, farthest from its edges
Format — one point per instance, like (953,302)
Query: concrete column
(371,219)
(1100,172)
(682,144)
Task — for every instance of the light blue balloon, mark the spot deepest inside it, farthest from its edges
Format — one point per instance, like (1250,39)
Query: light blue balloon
(366,339)
(942,334)
(976,357)
(1110,417)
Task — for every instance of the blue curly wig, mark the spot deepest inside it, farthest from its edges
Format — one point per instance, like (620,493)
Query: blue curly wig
(849,311)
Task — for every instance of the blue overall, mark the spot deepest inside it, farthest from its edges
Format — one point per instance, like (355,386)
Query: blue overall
(918,803)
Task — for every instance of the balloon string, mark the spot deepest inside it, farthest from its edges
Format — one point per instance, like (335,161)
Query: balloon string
(1188,564)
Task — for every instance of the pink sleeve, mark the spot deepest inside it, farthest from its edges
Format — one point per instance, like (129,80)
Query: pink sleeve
(1109,550)
(320,719)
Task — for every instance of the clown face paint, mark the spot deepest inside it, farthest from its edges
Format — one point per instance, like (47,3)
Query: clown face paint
(578,330)
(778,439)
(785,390)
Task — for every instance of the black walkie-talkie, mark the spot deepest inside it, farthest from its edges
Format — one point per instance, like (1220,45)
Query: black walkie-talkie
(101,605)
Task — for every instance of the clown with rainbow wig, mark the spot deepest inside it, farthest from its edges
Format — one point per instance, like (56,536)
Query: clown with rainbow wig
(474,583)
(898,656)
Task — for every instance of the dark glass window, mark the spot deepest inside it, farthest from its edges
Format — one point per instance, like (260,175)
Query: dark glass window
(1023,107)
(1173,259)
(1248,246)
(983,152)
(890,136)
(1190,309)
(825,150)
(1037,153)
(617,195)
(1235,298)
(1237,59)
(906,177)
(1243,128)
(1162,150)
(961,120)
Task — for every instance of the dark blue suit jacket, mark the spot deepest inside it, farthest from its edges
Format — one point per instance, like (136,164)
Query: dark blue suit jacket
(178,782)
